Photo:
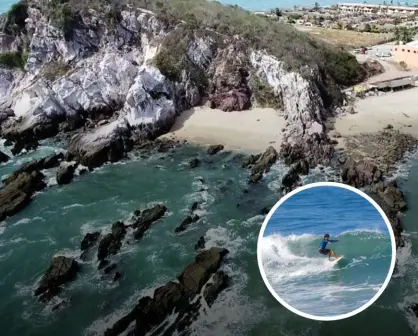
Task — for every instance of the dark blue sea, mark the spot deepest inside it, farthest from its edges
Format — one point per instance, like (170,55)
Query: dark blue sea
(308,281)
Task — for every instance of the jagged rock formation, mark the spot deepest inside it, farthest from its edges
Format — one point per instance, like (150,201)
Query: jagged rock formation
(61,271)
(121,73)
(183,297)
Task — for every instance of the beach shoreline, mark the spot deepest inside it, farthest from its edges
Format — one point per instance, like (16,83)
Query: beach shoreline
(251,130)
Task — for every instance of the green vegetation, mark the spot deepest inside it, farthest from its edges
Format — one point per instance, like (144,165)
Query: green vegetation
(54,70)
(172,58)
(264,94)
(404,34)
(14,59)
(15,19)
(297,49)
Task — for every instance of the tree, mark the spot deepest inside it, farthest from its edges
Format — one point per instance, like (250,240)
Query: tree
(367,28)
(278,12)
(316,6)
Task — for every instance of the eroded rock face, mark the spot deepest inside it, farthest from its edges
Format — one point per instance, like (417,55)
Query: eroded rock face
(178,297)
(3,157)
(112,242)
(61,271)
(89,240)
(229,89)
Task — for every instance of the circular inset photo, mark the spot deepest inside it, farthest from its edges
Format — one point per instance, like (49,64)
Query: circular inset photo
(326,251)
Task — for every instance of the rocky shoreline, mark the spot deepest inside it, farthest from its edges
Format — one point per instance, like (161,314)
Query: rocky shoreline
(115,93)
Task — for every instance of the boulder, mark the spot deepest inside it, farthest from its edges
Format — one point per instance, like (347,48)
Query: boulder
(360,174)
(108,143)
(17,193)
(190,219)
(144,219)
(36,165)
(112,242)
(263,164)
(194,163)
(89,240)
(292,178)
(66,174)
(61,271)
(214,149)
(3,157)
(200,245)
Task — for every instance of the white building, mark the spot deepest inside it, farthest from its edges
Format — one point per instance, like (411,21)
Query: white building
(377,9)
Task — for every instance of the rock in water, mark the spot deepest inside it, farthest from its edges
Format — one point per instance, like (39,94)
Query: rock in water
(61,271)
(194,163)
(263,164)
(180,298)
(147,217)
(186,223)
(17,193)
(3,157)
(214,149)
(89,240)
(66,174)
(360,174)
(112,242)
(200,245)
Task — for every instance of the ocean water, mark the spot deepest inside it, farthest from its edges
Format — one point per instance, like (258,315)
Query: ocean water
(58,218)
(306,280)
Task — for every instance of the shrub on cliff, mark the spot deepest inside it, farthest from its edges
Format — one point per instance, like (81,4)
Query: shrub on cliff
(15,19)
(13,59)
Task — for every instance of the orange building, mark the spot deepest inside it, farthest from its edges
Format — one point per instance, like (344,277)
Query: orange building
(407,53)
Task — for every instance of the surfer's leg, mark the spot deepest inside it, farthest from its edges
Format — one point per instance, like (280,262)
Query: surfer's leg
(333,254)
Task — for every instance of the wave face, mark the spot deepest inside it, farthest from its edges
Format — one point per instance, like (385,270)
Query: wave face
(307,281)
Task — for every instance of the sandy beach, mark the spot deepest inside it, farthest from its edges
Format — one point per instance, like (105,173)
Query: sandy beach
(253,130)
(398,109)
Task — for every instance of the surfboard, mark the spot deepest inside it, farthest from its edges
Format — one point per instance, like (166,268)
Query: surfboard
(338,259)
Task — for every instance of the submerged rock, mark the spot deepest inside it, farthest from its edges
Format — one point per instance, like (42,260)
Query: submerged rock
(61,271)
(200,245)
(190,219)
(214,149)
(194,163)
(292,178)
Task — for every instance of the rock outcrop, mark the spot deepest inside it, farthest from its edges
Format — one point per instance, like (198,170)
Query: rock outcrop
(65,174)
(112,242)
(144,219)
(214,149)
(183,297)
(261,164)
(360,174)
(61,271)
(3,157)
(89,240)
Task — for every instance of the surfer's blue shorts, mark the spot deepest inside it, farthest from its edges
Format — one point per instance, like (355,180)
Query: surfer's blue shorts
(324,251)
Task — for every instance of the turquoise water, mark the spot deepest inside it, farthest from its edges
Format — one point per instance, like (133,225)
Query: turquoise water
(305,279)
(58,218)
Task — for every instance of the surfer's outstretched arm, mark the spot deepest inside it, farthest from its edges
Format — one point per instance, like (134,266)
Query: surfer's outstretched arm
(333,241)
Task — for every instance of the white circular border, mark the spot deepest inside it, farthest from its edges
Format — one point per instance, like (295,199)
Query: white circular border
(337,317)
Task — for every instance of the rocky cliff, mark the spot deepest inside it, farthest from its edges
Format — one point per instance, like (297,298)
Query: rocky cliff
(119,73)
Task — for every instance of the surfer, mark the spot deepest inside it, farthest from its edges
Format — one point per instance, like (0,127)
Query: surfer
(322,247)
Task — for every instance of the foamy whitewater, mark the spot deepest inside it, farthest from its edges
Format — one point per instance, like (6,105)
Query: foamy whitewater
(310,283)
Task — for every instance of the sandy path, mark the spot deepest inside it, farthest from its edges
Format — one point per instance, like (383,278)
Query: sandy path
(400,109)
(252,130)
